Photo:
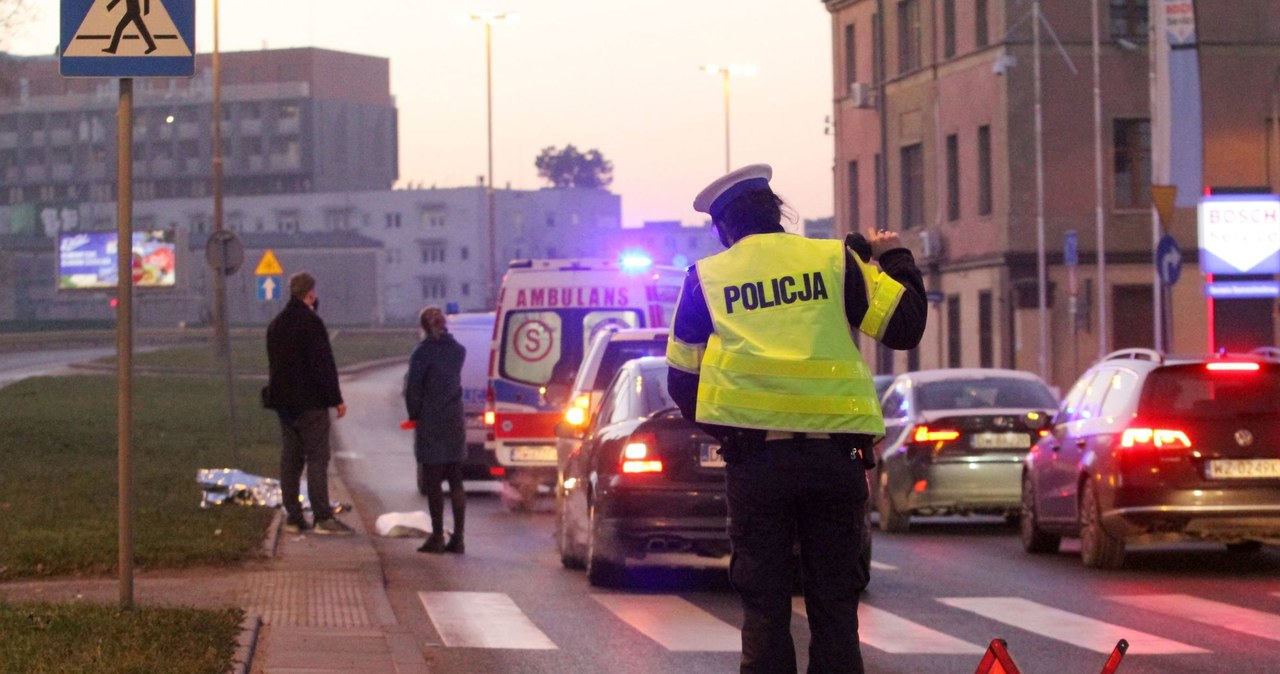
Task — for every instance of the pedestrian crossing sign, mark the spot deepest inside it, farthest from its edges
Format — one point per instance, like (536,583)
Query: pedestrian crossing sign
(127,38)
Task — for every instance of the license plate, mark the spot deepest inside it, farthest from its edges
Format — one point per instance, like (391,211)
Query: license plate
(1243,469)
(541,454)
(709,455)
(1009,440)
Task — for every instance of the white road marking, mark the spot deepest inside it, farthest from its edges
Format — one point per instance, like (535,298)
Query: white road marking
(1078,630)
(1218,614)
(673,622)
(887,632)
(482,620)
(881,566)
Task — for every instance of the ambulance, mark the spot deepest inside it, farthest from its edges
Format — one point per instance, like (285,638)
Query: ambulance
(548,312)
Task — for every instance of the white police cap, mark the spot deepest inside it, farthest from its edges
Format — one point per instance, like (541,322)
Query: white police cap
(714,197)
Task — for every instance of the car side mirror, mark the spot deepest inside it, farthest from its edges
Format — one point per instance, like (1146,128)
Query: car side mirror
(568,432)
(556,394)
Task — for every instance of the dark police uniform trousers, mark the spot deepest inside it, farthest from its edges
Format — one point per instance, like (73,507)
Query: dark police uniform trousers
(814,491)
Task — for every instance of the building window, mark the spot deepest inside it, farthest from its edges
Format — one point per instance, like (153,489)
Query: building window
(953,177)
(908,36)
(850,57)
(884,359)
(287,221)
(434,287)
(980,35)
(948,28)
(1132,163)
(984,170)
(465,289)
(877,59)
(912,186)
(882,215)
(393,221)
(337,219)
(432,251)
(464,253)
(913,360)
(953,331)
(855,223)
(986,329)
(1129,19)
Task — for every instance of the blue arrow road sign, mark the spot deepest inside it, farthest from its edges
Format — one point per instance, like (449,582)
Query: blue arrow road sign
(1168,260)
(268,287)
(128,38)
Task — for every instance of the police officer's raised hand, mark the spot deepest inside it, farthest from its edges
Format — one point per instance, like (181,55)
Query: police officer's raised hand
(882,240)
(342,410)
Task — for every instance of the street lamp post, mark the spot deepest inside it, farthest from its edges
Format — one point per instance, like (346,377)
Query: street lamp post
(725,72)
(489,18)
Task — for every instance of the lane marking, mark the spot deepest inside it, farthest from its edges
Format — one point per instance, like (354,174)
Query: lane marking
(1072,628)
(673,622)
(887,632)
(1218,614)
(482,620)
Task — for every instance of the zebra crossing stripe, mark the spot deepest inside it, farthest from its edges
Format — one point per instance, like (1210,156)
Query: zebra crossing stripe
(482,620)
(1218,614)
(892,634)
(1067,627)
(673,622)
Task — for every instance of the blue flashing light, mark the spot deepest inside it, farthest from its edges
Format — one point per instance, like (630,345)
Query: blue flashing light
(635,261)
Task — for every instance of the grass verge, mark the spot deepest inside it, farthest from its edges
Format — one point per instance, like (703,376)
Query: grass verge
(249,354)
(95,639)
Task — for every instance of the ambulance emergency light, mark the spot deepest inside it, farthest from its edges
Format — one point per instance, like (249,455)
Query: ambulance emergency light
(87,260)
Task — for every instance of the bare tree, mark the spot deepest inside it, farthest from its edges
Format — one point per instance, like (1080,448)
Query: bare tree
(13,14)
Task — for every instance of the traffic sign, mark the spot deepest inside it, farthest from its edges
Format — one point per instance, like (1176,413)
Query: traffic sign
(268,287)
(224,252)
(1168,260)
(127,38)
(269,265)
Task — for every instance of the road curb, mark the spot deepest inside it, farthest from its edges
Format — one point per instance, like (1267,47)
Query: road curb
(272,539)
(246,644)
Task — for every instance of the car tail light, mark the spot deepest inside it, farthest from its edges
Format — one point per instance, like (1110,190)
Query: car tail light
(639,455)
(1158,438)
(497,471)
(576,414)
(489,417)
(1232,367)
(926,434)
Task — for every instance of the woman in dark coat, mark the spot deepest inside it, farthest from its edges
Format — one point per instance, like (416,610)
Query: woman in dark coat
(433,399)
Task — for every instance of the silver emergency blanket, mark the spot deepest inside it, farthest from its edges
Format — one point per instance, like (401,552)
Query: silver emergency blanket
(220,486)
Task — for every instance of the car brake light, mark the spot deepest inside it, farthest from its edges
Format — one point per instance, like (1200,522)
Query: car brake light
(1159,438)
(489,417)
(1232,367)
(638,454)
(926,434)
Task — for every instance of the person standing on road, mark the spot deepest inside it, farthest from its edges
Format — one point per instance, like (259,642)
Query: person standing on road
(302,386)
(763,357)
(433,399)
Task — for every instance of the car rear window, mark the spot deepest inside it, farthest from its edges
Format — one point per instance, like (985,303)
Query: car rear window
(1195,391)
(963,394)
(653,388)
(619,352)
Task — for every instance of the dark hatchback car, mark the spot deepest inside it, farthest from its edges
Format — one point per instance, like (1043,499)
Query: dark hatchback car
(954,443)
(645,488)
(1147,448)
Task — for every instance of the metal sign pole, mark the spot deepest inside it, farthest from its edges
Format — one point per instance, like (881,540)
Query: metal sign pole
(124,332)
(222,332)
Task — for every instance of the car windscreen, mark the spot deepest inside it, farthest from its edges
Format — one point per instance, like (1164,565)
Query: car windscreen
(963,394)
(653,385)
(1194,391)
(545,346)
(619,352)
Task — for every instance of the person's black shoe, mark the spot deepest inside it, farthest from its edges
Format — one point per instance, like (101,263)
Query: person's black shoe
(455,544)
(332,527)
(296,525)
(434,543)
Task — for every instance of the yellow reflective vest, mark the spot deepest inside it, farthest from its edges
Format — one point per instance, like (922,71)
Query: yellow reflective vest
(782,356)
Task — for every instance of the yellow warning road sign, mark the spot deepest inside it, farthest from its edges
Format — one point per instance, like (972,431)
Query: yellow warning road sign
(1163,196)
(269,266)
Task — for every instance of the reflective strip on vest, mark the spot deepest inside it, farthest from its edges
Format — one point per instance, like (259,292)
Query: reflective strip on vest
(883,294)
(782,355)
(681,356)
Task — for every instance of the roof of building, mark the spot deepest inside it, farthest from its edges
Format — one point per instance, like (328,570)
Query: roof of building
(294,240)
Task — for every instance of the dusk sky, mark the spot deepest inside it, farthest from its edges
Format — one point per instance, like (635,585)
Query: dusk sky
(623,78)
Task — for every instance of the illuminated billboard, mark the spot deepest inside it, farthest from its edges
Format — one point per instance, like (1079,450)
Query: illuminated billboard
(87,260)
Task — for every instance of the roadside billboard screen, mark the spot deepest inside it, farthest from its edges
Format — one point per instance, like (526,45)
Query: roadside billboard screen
(87,260)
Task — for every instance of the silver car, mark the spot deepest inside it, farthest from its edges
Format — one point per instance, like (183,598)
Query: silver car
(954,443)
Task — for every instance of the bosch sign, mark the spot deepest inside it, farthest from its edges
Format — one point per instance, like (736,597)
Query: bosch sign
(1240,234)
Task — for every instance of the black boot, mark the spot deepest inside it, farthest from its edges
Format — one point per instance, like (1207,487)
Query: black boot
(455,544)
(434,543)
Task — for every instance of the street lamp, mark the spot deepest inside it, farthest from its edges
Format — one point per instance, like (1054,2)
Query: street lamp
(725,72)
(488,18)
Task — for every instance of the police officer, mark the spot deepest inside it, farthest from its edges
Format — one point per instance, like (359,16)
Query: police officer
(763,357)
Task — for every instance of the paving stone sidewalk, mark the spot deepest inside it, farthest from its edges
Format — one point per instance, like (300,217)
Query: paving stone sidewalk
(317,605)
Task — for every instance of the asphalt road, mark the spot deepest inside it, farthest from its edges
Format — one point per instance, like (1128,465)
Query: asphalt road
(18,366)
(938,594)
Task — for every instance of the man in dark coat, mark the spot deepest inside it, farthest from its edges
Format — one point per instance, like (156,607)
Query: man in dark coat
(303,385)
(433,400)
